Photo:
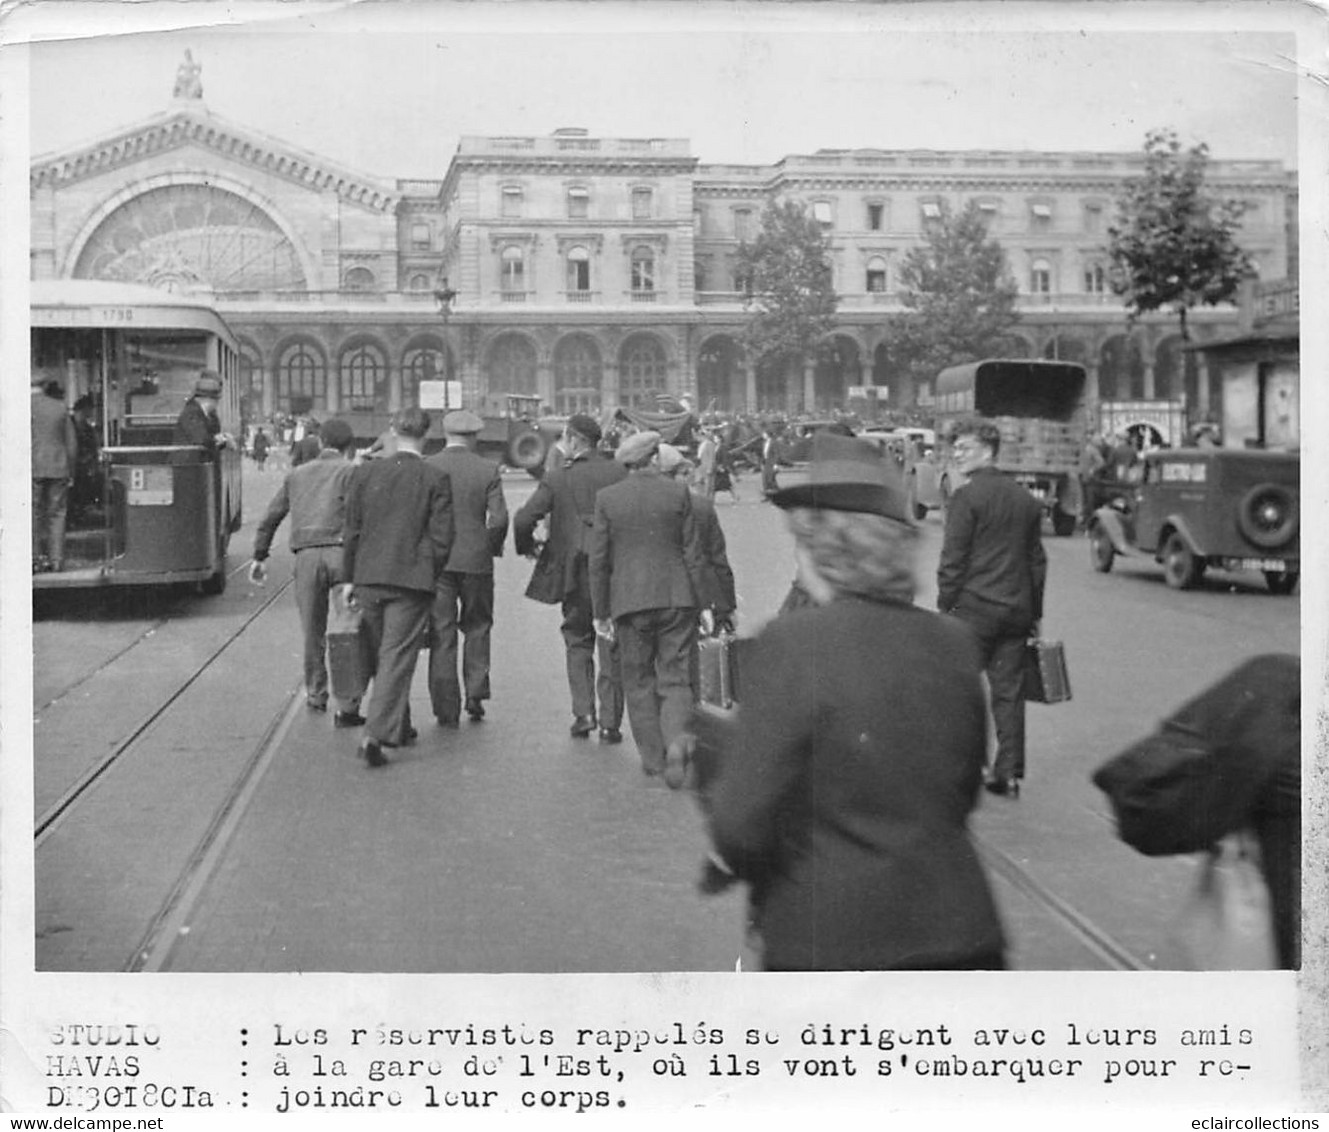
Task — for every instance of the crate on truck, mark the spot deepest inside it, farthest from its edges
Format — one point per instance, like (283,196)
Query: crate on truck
(1039,409)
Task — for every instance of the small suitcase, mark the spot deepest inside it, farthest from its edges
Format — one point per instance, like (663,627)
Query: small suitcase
(718,670)
(350,665)
(1046,680)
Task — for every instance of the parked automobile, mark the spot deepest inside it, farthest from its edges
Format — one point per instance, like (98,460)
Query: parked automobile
(914,451)
(1197,508)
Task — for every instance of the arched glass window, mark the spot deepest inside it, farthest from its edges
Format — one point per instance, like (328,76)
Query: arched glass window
(579,271)
(362,369)
(1040,277)
(1095,279)
(513,271)
(641,373)
(359,279)
(876,276)
(643,270)
(511,367)
(577,376)
(301,380)
(418,283)
(424,363)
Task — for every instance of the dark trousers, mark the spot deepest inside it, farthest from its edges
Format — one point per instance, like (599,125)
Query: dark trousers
(1003,653)
(50,499)
(396,621)
(465,603)
(588,679)
(656,647)
(768,480)
(317,570)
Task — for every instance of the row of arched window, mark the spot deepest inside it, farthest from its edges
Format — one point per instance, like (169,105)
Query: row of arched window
(300,374)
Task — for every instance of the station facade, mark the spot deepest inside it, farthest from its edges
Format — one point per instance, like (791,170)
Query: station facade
(600,272)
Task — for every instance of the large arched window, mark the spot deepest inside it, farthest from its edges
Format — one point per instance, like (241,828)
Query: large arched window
(641,372)
(579,274)
(302,377)
(423,363)
(183,236)
(577,376)
(1095,279)
(511,367)
(363,370)
(643,273)
(513,273)
(1040,277)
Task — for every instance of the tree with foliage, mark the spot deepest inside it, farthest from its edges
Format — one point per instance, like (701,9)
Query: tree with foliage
(958,294)
(1174,244)
(787,282)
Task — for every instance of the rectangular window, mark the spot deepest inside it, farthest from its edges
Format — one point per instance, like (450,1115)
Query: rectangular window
(511,203)
(931,210)
(875,214)
(821,213)
(1093,217)
(579,275)
(876,281)
(743,223)
(420,237)
(579,204)
(642,204)
(1041,213)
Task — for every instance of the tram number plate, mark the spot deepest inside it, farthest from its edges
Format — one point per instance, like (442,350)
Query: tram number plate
(150,487)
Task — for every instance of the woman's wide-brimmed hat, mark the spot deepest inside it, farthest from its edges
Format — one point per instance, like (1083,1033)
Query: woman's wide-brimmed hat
(846,474)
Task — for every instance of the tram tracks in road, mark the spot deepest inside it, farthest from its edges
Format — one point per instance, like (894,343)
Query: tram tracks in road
(68,801)
(146,635)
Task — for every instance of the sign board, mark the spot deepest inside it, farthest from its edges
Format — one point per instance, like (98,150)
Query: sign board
(1277,300)
(867,392)
(440,395)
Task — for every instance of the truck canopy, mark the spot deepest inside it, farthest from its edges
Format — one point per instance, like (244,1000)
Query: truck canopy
(1021,387)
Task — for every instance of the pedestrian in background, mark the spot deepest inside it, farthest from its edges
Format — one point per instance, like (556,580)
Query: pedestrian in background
(841,789)
(565,498)
(54,459)
(314,495)
(991,576)
(261,446)
(707,449)
(398,537)
(464,599)
(647,588)
(770,459)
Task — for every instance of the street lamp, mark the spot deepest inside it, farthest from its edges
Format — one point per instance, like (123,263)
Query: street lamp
(445,296)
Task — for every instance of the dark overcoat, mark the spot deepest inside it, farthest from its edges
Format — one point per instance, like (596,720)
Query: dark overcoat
(480,514)
(846,788)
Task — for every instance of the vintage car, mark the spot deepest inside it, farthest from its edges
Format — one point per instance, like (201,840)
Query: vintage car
(914,451)
(1196,508)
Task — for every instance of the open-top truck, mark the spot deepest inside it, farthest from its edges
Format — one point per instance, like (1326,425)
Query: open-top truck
(1039,408)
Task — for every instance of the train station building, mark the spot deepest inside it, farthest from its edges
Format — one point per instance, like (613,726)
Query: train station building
(599,272)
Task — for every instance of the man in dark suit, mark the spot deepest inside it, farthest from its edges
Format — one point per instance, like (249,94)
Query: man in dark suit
(464,598)
(54,454)
(647,586)
(567,496)
(198,423)
(991,576)
(396,543)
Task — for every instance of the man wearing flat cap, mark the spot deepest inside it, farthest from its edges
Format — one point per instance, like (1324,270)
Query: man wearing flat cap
(464,593)
(198,423)
(647,587)
(54,456)
(314,495)
(566,499)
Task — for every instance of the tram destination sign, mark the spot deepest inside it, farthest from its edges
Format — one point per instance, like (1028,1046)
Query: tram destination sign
(82,316)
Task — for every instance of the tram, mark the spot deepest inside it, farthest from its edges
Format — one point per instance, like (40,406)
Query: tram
(142,509)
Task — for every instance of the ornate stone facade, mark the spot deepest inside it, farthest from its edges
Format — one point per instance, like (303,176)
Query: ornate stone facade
(593,271)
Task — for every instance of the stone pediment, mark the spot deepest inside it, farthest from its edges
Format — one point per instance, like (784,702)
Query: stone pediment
(198,127)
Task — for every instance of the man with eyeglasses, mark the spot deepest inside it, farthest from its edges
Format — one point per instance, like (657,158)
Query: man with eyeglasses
(991,576)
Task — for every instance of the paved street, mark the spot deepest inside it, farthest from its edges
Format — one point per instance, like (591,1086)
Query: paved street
(509,846)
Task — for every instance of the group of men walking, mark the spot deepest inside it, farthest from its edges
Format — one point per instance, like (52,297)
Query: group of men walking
(411,541)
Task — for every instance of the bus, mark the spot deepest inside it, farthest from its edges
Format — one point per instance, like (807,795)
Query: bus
(142,509)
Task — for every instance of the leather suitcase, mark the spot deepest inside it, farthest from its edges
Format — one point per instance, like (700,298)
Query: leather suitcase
(350,666)
(1046,679)
(718,670)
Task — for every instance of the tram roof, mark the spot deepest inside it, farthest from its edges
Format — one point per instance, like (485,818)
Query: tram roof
(97,302)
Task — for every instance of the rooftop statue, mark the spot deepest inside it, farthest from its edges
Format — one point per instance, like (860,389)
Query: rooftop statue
(187,81)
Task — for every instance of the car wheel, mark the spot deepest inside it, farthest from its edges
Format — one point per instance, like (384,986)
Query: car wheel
(1268,515)
(1101,550)
(1181,569)
(526,450)
(1063,522)
(1281,583)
